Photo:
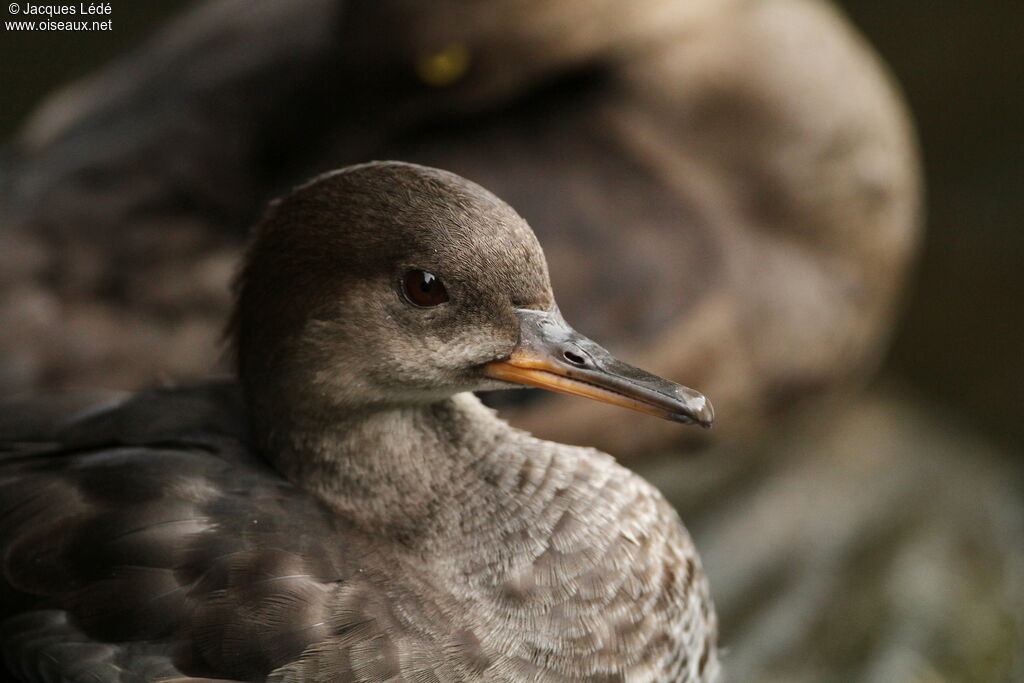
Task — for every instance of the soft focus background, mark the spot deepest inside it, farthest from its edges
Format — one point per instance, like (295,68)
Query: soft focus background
(874,538)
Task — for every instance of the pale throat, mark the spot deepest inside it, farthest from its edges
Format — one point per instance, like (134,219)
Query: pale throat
(417,473)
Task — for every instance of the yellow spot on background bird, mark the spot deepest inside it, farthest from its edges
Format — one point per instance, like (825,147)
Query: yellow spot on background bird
(443,67)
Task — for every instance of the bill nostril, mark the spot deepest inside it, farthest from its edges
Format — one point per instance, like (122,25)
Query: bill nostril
(573,358)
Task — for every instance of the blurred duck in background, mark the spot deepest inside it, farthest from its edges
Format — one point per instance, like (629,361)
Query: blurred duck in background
(731,187)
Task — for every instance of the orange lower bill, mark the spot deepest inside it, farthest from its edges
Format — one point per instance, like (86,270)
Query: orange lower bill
(537,373)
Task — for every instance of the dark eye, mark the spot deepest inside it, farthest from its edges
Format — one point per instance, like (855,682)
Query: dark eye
(424,289)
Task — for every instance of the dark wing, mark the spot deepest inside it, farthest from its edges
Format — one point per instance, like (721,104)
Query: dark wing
(41,645)
(146,540)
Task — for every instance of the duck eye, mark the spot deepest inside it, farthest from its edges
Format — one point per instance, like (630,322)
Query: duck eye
(424,289)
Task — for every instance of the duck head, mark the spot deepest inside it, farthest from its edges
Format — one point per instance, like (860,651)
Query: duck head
(389,284)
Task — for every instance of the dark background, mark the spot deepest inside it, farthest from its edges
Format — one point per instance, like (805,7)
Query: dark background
(961,338)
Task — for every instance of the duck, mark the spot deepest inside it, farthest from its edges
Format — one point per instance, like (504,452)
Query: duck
(765,209)
(345,508)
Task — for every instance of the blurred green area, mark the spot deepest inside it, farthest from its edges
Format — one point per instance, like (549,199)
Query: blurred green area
(961,337)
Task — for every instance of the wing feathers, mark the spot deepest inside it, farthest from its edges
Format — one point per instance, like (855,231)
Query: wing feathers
(192,548)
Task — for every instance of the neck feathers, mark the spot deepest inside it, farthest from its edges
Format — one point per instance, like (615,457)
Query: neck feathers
(405,472)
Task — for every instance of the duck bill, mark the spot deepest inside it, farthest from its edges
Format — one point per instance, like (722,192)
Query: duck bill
(551,355)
